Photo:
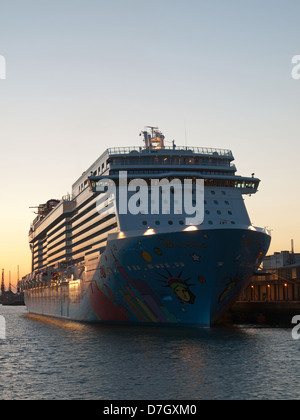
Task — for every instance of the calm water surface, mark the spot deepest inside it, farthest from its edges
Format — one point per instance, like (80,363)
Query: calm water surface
(52,359)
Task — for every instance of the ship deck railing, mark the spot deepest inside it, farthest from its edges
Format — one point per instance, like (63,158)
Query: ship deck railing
(178,149)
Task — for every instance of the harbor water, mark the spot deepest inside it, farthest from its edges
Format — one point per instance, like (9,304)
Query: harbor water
(49,359)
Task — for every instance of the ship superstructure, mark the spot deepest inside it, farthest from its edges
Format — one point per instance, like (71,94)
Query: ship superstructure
(93,260)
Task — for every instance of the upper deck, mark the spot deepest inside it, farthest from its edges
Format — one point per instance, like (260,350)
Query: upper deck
(186,150)
(153,156)
(191,158)
(155,147)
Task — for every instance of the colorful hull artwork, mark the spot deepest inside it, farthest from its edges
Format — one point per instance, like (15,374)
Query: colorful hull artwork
(176,278)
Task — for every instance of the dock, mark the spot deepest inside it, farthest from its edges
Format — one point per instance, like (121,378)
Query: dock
(263,313)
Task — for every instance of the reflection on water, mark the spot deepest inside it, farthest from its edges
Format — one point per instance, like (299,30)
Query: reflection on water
(44,358)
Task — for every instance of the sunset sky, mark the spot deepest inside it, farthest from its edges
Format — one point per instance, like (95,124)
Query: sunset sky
(84,75)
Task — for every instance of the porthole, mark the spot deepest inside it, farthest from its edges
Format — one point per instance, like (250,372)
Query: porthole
(210,222)
(223,192)
(219,212)
(157,222)
(207,211)
(213,192)
(216,202)
(227,203)
(233,223)
(181,222)
(230,212)
(170,222)
(144,222)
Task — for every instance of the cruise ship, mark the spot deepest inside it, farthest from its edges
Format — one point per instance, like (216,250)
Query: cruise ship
(93,260)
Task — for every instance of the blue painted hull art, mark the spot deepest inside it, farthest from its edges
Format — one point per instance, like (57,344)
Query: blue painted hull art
(176,278)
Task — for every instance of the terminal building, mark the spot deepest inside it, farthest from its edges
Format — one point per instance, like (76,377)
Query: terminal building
(278,279)
(273,294)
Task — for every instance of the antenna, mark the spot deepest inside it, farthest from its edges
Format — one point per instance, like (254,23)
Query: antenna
(185,136)
(152,129)
(18,284)
(2,283)
(292,257)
